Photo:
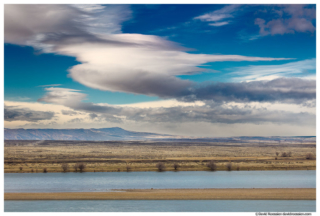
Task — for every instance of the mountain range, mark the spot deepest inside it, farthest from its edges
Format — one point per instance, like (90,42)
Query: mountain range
(119,134)
(101,134)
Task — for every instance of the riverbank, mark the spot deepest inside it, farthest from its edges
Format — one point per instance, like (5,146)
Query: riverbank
(53,170)
(175,194)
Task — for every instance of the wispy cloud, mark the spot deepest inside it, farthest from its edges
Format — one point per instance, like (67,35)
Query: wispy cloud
(18,98)
(219,23)
(304,68)
(51,85)
(219,17)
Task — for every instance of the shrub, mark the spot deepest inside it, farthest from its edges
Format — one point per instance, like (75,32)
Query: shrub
(20,168)
(45,170)
(160,166)
(128,168)
(276,158)
(277,153)
(238,168)
(75,167)
(284,154)
(229,166)
(118,169)
(211,165)
(81,167)
(175,166)
(310,156)
(289,154)
(65,167)
(32,170)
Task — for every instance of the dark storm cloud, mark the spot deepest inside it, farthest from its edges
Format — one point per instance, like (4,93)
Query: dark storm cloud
(209,113)
(284,90)
(54,23)
(13,113)
(68,112)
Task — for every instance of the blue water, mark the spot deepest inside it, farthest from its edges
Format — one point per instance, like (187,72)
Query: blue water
(162,206)
(104,181)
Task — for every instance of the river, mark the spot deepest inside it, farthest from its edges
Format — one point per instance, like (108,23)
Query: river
(104,181)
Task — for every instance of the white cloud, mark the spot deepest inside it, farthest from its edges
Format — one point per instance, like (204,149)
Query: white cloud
(200,116)
(150,68)
(289,19)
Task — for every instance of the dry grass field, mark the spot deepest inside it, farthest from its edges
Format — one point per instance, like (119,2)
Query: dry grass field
(176,194)
(34,156)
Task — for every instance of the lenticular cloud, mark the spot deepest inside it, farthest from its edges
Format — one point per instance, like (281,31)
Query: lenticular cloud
(110,60)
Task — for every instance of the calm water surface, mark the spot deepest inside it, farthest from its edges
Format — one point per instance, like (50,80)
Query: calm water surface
(104,181)
(162,206)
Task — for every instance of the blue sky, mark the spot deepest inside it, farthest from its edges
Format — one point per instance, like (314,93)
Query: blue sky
(128,54)
(175,22)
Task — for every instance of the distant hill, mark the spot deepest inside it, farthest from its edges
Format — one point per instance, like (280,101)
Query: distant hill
(119,134)
(101,134)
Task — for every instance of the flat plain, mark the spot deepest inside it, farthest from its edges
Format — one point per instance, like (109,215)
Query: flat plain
(119,156)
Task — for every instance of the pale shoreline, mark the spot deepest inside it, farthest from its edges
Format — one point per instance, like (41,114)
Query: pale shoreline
(175,194)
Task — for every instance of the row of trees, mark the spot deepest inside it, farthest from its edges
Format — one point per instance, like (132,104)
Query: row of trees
(284,154)
(213,167)
(309,156)
(160,166)
(78,166)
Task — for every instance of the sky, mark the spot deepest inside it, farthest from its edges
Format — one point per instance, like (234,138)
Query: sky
(189,70)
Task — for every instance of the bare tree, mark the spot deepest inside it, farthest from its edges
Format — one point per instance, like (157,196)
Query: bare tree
(75,167)
(81,167)
(20,168)
(160,166)
(45,170)
(65,167)
(310,156)
(229,166)
(176,166)
(211,165)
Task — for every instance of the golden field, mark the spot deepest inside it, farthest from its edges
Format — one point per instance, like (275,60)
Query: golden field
(34,156)
(176,194)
